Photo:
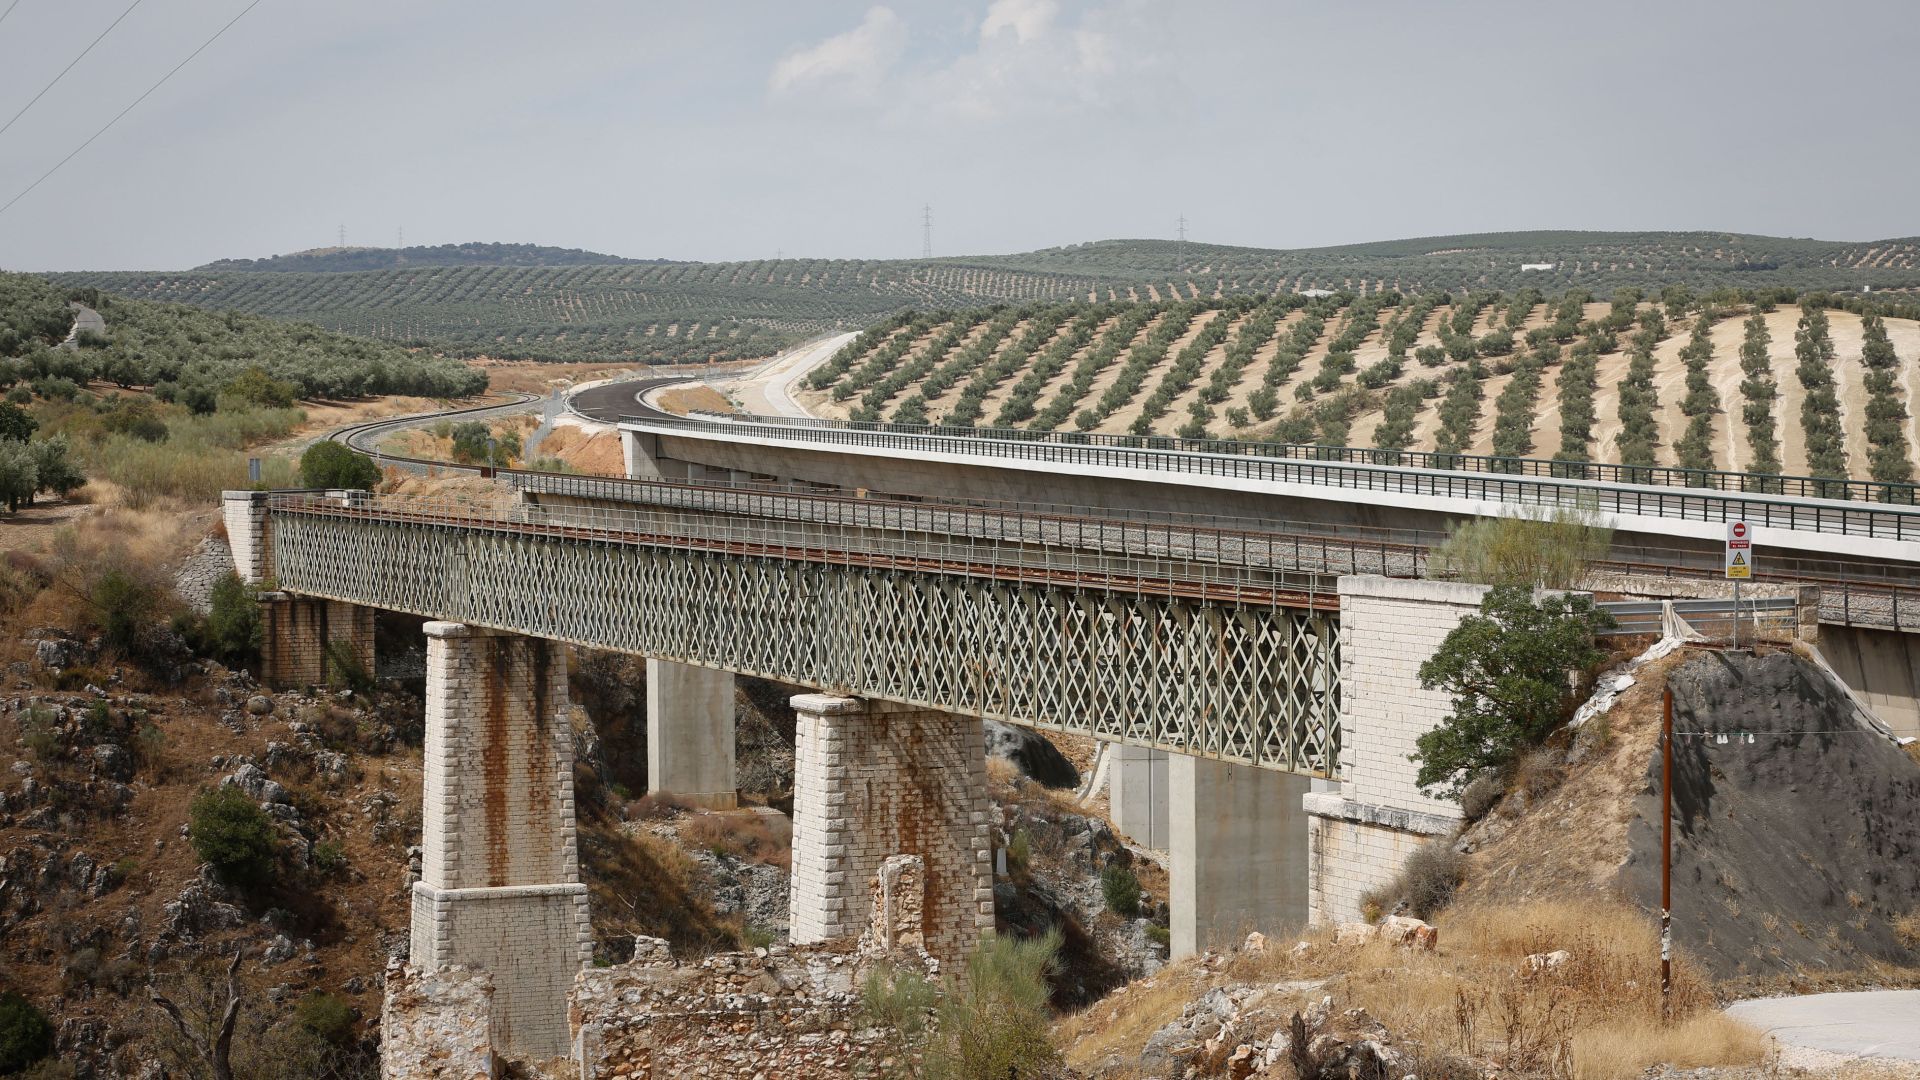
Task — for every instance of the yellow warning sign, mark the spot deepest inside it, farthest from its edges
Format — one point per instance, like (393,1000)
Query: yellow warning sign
(1737,566)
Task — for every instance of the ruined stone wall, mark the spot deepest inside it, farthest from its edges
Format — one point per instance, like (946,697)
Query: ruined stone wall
(792,1013)
(500,886)
(307,641)
(873,780)
(436,1025)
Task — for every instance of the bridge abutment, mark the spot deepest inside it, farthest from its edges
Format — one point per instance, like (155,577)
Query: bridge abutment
(690,734)
(307,641)
(1361,835)
(871,780)
(500,883)
(1137,794)
(244,513)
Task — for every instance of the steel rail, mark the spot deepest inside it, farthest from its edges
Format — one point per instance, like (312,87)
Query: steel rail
(1197,580)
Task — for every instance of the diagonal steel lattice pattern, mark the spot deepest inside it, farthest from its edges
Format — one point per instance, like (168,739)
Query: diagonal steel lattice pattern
(1221,676)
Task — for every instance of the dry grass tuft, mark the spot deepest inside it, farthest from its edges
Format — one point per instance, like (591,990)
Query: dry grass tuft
(1594,1016)
(1628,1048)
(1117,1027)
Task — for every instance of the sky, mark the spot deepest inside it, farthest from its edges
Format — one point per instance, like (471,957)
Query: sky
(746,129)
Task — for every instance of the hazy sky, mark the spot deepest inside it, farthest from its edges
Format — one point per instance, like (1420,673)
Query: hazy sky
(726,130)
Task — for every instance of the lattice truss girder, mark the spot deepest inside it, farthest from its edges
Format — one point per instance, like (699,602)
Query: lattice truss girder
(1241,682)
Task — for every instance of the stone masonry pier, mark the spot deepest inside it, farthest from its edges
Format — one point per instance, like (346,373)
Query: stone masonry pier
(500,885)
(872,780)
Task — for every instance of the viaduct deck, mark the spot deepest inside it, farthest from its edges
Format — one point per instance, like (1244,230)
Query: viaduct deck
(1234,662)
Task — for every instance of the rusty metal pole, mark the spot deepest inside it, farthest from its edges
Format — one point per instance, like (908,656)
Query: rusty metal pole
(1666,857)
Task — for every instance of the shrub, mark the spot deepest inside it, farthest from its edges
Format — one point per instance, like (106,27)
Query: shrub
(332,465)
(126,607)
(231,632)
(26,1035)
(1019,850)
(995,1025)
(1481,795)
(1121,889)
(1507,670)
(329,856)
(1548,550)
(254,385)
(1424,886)
(232,834)
(326,1016)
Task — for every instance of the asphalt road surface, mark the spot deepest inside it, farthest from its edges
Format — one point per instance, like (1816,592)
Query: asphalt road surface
(1878,1023)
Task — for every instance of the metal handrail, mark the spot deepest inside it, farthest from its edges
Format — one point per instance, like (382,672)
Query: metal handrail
(1772,511)
(818,542)
(1816,487)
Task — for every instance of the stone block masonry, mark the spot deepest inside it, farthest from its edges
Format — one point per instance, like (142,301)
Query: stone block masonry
(499,885)
(872,780)
(245,515)
(306,641)
(1360,836)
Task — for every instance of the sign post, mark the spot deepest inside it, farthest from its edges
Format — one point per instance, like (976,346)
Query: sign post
(1739,567)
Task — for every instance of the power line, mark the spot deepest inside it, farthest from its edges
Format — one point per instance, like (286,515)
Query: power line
(136,101)
(9,11)
(69,67)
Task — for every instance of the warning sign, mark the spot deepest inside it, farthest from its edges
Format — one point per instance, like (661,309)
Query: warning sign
(1739,550)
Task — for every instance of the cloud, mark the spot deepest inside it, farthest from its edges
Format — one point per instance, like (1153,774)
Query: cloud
(858,59)
(1028,19)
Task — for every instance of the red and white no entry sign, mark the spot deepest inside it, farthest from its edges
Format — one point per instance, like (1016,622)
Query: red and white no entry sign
(1739,560)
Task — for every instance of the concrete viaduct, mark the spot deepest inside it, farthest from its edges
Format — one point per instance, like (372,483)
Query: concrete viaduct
(1258,687)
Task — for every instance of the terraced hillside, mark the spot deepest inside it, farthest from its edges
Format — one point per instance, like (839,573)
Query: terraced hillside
(521,301)
(661,313)
(1754,382)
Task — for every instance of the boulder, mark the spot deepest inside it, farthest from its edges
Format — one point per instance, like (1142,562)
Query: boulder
(1548,961)
(1032,754)
(1409,933)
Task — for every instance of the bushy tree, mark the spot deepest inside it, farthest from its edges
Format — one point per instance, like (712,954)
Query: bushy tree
(26,1035)
(232,834)
(328,464)
(231,632)
(16,424)
(19,474)
(53,464)
(1511,673)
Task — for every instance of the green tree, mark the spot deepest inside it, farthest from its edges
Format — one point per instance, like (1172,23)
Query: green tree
(1546,549)
(16,424)
(255,386)
(328,464)
(231,632)
(232,834)
(19,474)
(1508,671)
(53,462)
(26,1035)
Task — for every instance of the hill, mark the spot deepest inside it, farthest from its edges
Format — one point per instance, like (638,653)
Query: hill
(348,259)
(1746,381)
(176,349)
(527,302)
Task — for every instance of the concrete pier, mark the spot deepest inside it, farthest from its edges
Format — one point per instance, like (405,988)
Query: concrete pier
(1137,794)
(690,734)
(499,880)
(1238,840)
(872,780)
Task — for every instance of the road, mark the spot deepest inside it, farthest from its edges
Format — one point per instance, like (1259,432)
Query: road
(1879,1023)
(768,390)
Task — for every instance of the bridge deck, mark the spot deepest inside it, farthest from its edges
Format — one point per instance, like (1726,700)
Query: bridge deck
(1239,663)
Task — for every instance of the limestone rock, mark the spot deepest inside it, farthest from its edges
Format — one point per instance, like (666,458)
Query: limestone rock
(1409,933)
(1032,754)
(1549,961)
